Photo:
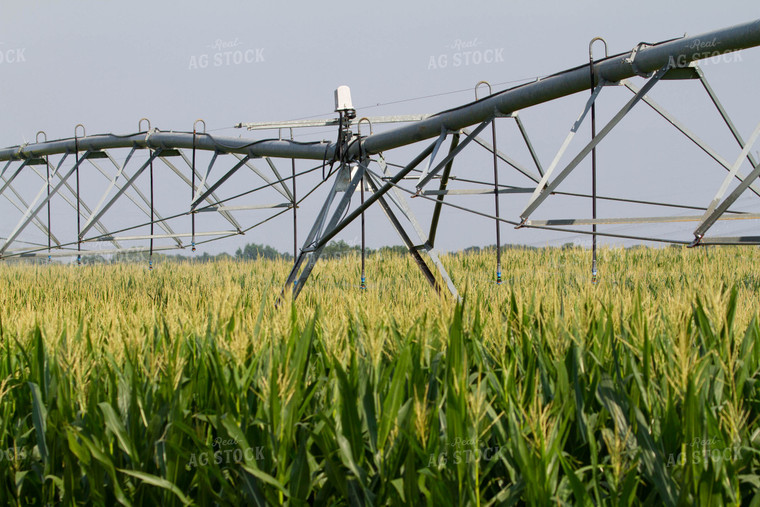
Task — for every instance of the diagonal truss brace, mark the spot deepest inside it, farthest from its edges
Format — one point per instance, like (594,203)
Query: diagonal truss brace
(23,207)
(442,188)
(693,137)
(205,176)
(543,190)
(715,210)
(513,163)
(724,115)
(441,137)
(7,182)
(227,215)
(316,242)
(205,195)
(71,201)
(30,214)
(317,239)
(184,178)
(96,216)
(504,157)
(528,143)
(280,179)
(119,172)
(452,154)
(278,185)
(565,144)
(424,240)
(147,202)
(412,248)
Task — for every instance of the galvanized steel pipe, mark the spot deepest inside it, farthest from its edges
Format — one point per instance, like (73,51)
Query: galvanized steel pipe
(679,52)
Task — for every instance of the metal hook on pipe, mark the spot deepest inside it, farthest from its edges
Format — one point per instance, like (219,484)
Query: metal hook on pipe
(591,47)
(490,90)
(76,128)
(199,120)
(359,126)
(139,125)
(37,137)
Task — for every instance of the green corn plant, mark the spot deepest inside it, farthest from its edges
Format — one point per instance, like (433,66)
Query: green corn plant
(185,386)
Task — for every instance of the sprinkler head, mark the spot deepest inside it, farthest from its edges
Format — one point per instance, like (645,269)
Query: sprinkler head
(193,244)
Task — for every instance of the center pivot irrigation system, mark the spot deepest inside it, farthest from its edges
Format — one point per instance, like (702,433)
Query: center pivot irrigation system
(354,163)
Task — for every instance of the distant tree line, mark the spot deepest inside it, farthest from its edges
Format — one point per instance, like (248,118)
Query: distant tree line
(254,251)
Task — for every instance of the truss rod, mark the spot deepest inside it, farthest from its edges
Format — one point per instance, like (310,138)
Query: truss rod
(723,114)
(524,134)
(98,213)
(74,253)
(185,213)
(548,228)
(716,210)
(12,177)
(279,178)
(635,220)
(99,225)
(691,136)
(163,236)
(480,191)
(513,163)
(442,188)
(542,192)
(23,207)
(227,216)
(208,171)
(273,184)
(429,175)
(429,276)
(29,215)
(205,195)
(731,240)
(398,198)
(262,187)
(246,208)
(565,144)
(152,213)
(376,195)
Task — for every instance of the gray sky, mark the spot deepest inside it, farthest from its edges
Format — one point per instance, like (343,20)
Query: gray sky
(107,64)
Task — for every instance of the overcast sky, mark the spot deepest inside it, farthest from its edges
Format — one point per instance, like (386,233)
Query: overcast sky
(106,64)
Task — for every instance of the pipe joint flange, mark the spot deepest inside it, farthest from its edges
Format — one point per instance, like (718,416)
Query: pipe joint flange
(632,60)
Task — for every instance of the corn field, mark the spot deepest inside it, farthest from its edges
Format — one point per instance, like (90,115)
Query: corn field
(184,385)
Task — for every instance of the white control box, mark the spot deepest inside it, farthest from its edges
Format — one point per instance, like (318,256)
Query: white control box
(343,99)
